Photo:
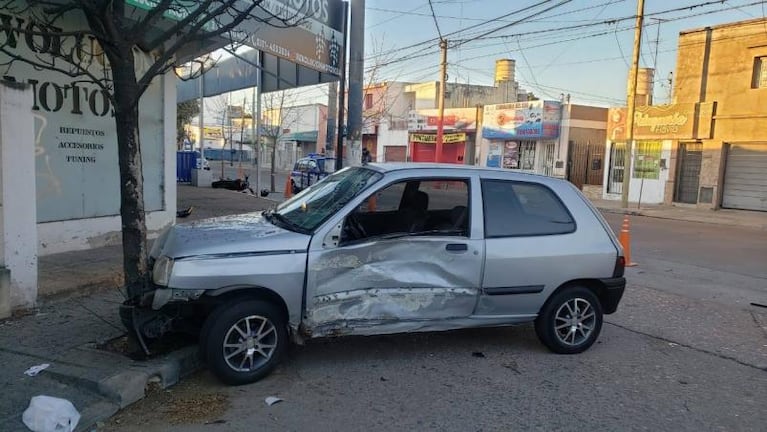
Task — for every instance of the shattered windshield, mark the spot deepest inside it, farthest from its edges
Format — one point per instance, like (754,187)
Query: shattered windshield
(314,205)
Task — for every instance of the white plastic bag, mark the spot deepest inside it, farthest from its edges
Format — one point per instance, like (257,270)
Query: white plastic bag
(50,414)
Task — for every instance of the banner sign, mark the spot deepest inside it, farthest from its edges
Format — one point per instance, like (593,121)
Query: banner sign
(454,119)
(676,121)
(450,138)
(522,120)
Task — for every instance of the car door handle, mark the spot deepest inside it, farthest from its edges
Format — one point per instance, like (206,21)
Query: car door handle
(456,247)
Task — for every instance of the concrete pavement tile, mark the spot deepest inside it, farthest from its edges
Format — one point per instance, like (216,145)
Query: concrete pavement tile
(18,389)
(61,326)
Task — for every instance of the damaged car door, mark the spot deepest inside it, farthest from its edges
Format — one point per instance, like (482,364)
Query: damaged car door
(404,258)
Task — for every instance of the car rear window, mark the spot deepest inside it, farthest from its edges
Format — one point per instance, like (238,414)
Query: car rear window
(514,209)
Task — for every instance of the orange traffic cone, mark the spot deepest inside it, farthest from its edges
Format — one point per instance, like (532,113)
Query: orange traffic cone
(625,239)
(288,189)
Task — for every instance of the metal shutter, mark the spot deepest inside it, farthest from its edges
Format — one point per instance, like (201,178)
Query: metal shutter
(745,178)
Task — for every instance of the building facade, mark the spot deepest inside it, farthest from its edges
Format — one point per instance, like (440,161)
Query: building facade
(552,138)
(389,110)
(580,147)
(522,136)
(298,131)
(459,139)
(68,137)
(384,123)
(709,147)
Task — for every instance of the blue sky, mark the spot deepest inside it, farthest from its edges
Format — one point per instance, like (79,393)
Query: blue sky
(593,68)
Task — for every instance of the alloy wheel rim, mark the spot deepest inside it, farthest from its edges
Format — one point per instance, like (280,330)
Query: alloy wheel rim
(250,343)
(575,321)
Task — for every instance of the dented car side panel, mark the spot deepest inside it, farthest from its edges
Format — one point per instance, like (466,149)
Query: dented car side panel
(399,283)
(398,279)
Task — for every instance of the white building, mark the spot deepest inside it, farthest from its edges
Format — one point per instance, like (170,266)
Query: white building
(59,164)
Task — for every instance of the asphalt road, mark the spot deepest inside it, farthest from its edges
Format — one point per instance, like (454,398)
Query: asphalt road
(685,352)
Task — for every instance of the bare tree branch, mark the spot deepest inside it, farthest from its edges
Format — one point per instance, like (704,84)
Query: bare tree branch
(150,19)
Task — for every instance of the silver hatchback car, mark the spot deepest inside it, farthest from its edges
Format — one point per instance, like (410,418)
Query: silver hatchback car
(384,249)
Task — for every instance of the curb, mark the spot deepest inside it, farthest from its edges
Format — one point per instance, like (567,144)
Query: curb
(642,213)
(129,386)
(130,383)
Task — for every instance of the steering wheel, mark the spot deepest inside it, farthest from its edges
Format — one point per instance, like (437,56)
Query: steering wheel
(356,228)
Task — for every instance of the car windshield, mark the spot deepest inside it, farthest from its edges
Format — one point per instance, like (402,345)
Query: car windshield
(314,205)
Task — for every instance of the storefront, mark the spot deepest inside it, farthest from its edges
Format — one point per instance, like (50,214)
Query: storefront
(460,125)
(658,131)
(423,147)
(521,136)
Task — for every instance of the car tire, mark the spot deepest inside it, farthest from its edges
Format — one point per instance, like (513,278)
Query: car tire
(570,321)
(242,342)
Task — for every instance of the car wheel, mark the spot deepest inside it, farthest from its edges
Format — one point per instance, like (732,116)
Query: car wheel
(244,341)
(570,322)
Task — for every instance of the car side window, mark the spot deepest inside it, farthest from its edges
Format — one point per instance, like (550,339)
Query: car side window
(445,195)
(387,199)
(412,207)
(514,209)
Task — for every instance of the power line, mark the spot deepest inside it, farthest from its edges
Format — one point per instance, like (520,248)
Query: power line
(432,40)
(542,86)
(620,48)
(602,33)
(611,21)
(560,29)
(505,26)
(561,53)
(436,23)
(422,52)
(399,15)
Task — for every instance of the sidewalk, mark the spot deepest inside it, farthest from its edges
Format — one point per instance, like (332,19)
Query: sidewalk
(742,218)
(78,313)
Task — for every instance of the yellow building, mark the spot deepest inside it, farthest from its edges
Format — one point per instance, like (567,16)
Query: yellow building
(709,147)
(726,65)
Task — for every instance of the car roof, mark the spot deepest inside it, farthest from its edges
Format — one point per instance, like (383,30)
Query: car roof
(403,166)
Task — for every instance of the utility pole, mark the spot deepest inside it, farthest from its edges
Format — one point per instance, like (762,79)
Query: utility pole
(202,116)
(442,85)
(658,22)
(633,76)
(256,124)
(331,120)
(356,77)
(242,137)
(342,93)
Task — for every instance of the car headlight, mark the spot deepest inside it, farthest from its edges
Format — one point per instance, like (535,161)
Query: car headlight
(163,267)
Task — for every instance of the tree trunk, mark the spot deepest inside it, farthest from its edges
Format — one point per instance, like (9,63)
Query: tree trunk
(274,157)
(135,253)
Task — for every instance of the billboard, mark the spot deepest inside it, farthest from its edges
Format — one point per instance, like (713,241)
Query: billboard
(675,121)
(522,121)
(455,119)
(305,32)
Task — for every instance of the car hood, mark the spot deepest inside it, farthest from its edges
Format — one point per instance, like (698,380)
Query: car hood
(238,234)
